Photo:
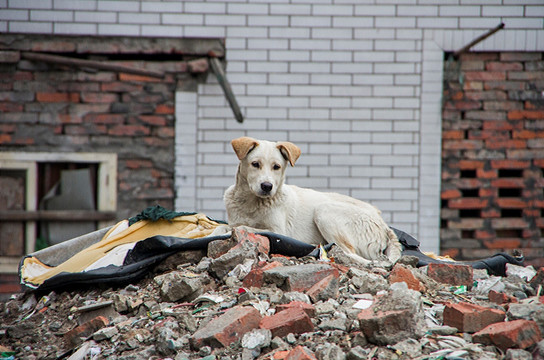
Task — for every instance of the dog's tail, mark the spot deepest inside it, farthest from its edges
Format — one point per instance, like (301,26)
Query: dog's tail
(394,247)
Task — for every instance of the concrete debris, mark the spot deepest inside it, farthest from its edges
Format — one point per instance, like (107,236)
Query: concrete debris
(240,302)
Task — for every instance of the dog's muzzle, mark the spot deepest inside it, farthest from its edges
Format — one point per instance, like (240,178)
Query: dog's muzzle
(266,187)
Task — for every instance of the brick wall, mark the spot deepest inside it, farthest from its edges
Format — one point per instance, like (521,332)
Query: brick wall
(54,108)
(493,156)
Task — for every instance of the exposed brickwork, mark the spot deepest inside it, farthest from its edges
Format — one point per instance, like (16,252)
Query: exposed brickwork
(47,107)
(493,156)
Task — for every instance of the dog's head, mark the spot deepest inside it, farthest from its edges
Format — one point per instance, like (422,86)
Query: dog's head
(263,163)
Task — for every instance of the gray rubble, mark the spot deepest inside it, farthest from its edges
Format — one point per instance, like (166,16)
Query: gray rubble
(201,310)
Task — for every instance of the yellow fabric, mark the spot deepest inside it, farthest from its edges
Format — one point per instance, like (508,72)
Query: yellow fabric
(186,226)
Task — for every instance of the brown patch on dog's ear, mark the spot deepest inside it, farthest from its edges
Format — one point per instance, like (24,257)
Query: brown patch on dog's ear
(243,145)
(290,151)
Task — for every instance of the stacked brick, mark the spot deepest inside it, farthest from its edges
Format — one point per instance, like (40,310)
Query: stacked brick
(493,156)
(48,107)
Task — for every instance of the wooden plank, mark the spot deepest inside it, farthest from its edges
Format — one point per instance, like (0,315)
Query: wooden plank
(101,65)
(56,215)
(225,85)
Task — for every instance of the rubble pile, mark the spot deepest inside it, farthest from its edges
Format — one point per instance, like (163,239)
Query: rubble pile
(237,301)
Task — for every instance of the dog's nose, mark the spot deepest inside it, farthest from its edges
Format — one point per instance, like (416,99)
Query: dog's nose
(266,187)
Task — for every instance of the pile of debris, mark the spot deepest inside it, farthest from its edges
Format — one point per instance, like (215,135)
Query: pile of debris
(235,301)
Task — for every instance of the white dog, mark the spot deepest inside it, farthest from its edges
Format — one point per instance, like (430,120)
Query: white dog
(260,199)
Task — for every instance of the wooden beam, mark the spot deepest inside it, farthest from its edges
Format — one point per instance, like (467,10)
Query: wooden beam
(56,215)
(82,63)
(221,77)
(480,38)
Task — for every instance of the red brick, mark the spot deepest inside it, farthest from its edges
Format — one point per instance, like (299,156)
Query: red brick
(98,97)
(241,236)
(294,320)
(453,134)
(501,298)
(470,318)
(502,244)
(280,355)
(486,174)
(255,277)
(117,86)
(11,107)
(450,194)
(502,125)
(527,134)
(300,353)
(505,144)
(401,273)
(525,114)
(503,66)
(57,97)
(137,78)
(129,130)
(452,274)
(164,109)
(511,203)
(462,144)
(511,334)
(510,164)
(308,308)
(468,203)
(485,75)
(73,337)
(482,234)
(227,328)
(324,289)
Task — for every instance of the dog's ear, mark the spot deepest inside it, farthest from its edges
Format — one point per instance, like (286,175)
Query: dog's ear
(243,145)
(289,151)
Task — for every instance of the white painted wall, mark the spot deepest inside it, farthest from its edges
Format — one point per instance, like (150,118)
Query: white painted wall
(357,85)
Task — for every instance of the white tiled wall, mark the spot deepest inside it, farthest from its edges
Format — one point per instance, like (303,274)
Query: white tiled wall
(355,84)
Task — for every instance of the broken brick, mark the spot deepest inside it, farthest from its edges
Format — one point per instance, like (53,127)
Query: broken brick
(510,334)
(241,236)
(452,274)
(308,308)
(292,320)
(324,289)
(300,353)
(471,318)
(501,298)
(255,277)
(401,273)
(386,327)
(227,328)
(300,277)
(74,336)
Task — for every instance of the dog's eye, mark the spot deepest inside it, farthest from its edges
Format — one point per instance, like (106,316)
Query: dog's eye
(276,167)
(255,164)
